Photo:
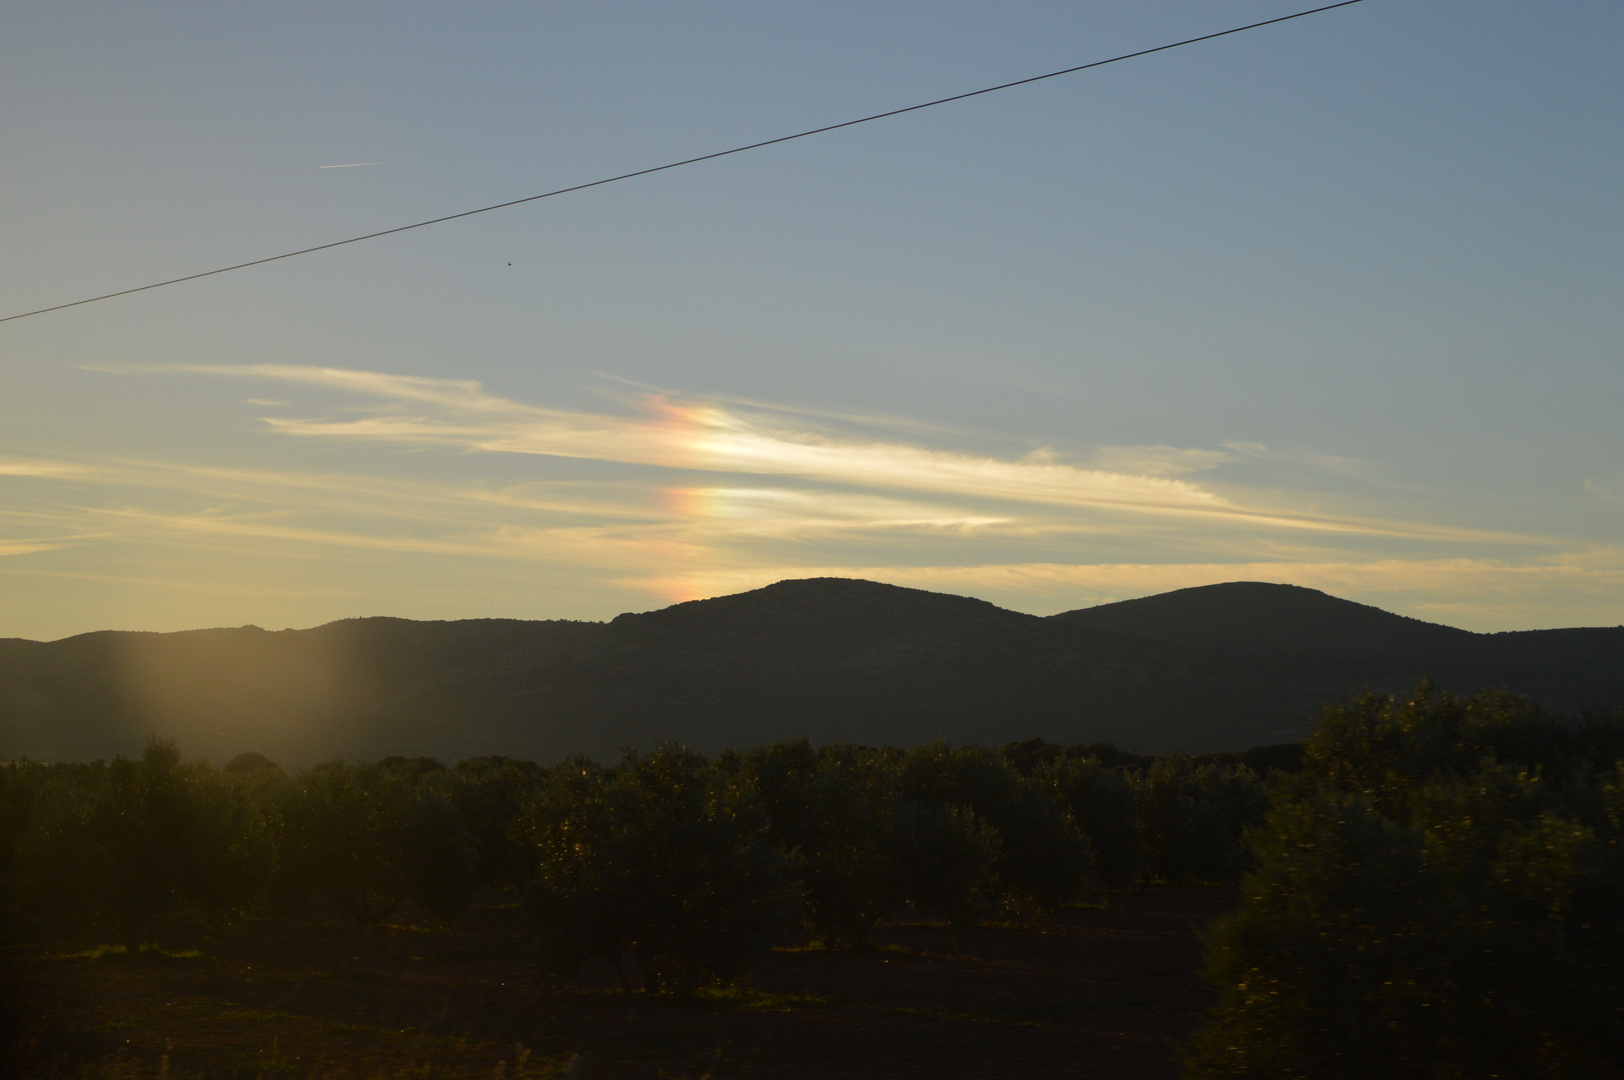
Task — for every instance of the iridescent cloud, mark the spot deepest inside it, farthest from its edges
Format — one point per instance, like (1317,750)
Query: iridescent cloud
(415,410)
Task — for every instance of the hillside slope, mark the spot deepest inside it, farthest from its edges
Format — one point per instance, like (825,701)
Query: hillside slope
(1256,618)
(830,659)
(1318,639)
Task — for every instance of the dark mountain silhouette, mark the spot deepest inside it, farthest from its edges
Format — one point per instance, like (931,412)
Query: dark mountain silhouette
(1210,669)
(1318,639)
(1256,618)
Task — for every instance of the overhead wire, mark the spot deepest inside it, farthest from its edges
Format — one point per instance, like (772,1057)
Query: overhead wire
(687,161)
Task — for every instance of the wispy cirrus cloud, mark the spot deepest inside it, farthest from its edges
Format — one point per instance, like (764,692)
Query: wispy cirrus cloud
(41,468)
(27,547)
(1158,460)
(681,435)
(570,523)
(585,546)
(422,411)
(716,496)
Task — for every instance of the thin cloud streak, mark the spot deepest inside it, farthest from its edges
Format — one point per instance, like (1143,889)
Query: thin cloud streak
(25,547)
(580,546)
(248,502)
(47,469)
(788,513)
(1158,460)
(352,494)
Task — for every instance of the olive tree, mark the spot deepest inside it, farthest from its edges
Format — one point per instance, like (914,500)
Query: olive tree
(1042,859)
(490,794)
(822,811)
(664,860)
(1440,894)
(364,839)
(129,847)
(1102,804)
(1193,816)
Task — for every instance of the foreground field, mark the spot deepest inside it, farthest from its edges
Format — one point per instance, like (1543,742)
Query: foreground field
(1094,992)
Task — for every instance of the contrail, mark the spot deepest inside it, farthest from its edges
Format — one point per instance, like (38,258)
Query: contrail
(352,165)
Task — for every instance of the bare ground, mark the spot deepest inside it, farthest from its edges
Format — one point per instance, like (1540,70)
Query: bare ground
(1098,993)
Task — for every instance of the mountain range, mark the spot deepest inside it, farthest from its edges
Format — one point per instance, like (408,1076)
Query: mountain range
(1221,667)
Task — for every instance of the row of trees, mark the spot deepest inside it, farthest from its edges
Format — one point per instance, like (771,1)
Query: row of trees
(130,848)
(687,867)
(1438,892)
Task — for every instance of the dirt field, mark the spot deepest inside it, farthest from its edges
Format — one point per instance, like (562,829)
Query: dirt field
(1094,993)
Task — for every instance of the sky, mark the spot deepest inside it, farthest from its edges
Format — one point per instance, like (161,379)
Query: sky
(1335,302)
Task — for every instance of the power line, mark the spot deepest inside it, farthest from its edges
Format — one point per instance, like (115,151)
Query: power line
(687,161)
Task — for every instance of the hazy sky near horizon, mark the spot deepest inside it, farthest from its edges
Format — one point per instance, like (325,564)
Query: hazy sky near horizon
(1335,302)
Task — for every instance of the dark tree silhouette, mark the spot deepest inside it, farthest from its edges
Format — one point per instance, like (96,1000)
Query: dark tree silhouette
(829,810)
(1193,816)
(663,858)
(1102,804)
(1441,893)
(490,793)
(365,838)
(1043,860)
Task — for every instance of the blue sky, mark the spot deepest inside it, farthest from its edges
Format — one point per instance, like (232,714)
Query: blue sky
(1335,302)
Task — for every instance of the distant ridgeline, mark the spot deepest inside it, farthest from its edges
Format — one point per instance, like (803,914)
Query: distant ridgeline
(1212,669)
